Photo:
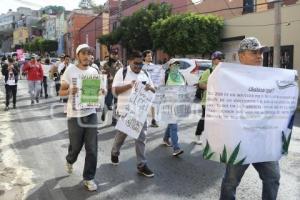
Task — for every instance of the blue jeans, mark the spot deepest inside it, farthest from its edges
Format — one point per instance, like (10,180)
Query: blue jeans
(171,132)
(83,135)
(269,173)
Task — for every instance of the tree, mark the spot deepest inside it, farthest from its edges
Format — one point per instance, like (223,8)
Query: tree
(134,31)
(85,4)
(185,34)
(49,45)
(53,10)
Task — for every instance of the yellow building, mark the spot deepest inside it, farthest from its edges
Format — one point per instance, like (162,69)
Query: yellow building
(21,36)
(261,25)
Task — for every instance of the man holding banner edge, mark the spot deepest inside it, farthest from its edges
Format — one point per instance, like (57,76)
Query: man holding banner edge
(251,53)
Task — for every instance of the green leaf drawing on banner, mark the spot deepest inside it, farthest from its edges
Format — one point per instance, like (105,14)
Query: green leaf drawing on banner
(207,154)
(223,157)
(234,154)
(241,161)
(285,142)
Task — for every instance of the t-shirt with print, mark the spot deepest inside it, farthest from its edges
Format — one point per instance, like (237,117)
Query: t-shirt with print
(123,98)
(71,72)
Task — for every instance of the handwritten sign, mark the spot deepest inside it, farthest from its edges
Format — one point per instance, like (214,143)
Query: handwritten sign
(249,113)
(136,111)
(175,103)
(156,73)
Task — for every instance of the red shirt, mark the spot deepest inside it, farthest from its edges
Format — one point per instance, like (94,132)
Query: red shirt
(34,71)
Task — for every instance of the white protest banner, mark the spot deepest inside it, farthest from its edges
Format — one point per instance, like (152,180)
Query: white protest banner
(156,73)
(175,103)
(249,113)
(89,93)
(136,111)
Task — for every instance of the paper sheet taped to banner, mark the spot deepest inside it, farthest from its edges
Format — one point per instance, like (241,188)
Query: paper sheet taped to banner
(89,94)
(249,113)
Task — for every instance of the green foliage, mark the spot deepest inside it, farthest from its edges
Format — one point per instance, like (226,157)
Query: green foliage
(134,30)
(53,9)
(285,142)
(232,157)
(49,45)
(41,45)
(187,34)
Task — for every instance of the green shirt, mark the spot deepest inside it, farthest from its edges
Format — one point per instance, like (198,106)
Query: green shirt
(203,80)
(175,79)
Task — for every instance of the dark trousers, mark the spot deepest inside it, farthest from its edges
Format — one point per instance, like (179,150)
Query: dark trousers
(11,90)
(200,126)
(83,131)
(110,100)
(57,85)
(45,86)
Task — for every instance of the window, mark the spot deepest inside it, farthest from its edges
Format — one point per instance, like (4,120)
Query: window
(184,65)
(248,6)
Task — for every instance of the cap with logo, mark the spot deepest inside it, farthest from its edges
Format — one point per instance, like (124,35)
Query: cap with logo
(252,43)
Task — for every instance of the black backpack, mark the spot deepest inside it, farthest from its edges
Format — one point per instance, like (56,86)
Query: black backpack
(125,72)
(200,92)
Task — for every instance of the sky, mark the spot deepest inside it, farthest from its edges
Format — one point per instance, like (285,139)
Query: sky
(37,4)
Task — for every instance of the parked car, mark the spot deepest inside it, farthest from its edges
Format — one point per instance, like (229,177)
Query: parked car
(191,68)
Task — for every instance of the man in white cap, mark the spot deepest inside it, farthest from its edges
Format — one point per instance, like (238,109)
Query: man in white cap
(82,124)
(251,53)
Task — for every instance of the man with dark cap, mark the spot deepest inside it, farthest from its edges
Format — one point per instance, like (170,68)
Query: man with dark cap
(110,68)
(216,58)
(251,53)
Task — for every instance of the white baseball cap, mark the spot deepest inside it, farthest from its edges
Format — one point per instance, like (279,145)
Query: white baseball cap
(82,46)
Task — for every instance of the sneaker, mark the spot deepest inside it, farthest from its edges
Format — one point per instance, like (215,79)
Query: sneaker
(144,170)
(6,108)
(167,143)
(32,102)
(37,100)
(114,160)
(198,140)
(153,123)
(14,107)
(177,152)
(69,168)
(46,96)
(90,185)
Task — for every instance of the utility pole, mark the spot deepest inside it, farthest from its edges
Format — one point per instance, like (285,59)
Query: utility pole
(277,33)
(119,12)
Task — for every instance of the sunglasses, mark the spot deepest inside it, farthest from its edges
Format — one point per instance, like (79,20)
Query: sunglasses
(138,64)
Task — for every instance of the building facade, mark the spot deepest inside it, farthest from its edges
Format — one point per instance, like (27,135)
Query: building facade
(92,30)
(75,22)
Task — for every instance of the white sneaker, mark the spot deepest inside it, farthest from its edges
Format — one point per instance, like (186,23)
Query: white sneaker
(90,185)
(198,140)
(69,168)
(65,109)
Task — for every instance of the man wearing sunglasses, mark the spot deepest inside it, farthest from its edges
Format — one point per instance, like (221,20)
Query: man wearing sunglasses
(122,87)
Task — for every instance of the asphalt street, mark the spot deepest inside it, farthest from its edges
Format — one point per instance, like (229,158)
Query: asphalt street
(35,139)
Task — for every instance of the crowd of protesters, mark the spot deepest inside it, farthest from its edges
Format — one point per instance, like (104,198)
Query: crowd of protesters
(120,81)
